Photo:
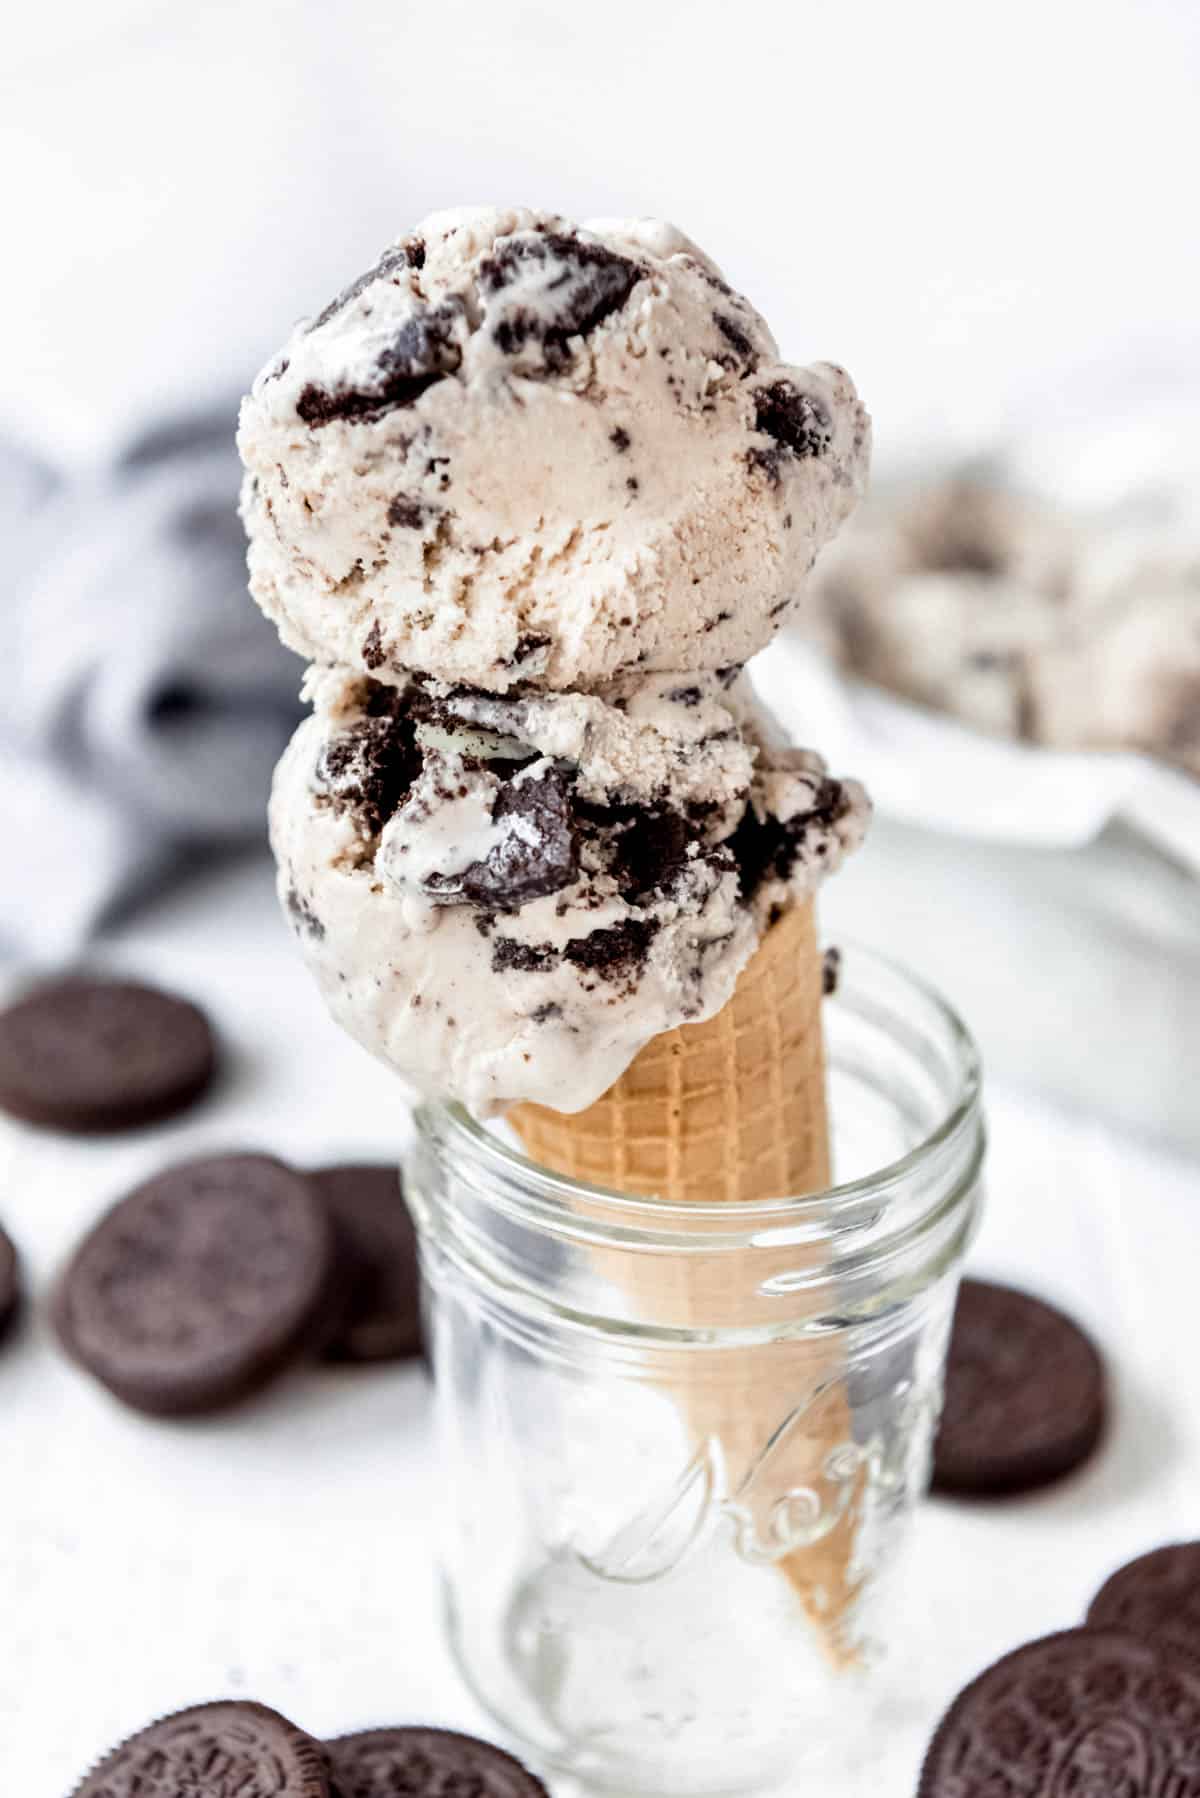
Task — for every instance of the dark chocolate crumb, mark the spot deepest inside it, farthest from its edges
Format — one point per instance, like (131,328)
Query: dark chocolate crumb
(522,958)
(382,701)
(373,653)
(797,423)
(544,1013)
(651,852)
(303,916)
(779,606)
(688,696)
(831,971)
(280,369)
(707,274)
(729,674)
(766,848)
(632,483)
(647,847)
(529,643)
(406,513)
(710,624)
(734,336)
(617,952)
(369,769)
(787,521)
(620,440)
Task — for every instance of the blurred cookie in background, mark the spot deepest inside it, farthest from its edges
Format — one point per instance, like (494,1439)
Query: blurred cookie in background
(1157,1596)
(203,1285)
(381,1320)
(90,1054)
(1026,1398)
(10,1287)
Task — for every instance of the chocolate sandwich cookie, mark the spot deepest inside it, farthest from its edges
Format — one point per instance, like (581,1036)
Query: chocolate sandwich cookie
(89,1054)
(1025,1395)
(202,1285)
(10,1288)
(1085,1712)
(381,1320)
(1156,1596)
(224,1750)
(426,1763)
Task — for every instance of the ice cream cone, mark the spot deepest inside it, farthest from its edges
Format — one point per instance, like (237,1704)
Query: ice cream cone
(734,1109)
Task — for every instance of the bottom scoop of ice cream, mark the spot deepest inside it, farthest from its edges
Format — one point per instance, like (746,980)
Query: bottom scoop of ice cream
(506,897)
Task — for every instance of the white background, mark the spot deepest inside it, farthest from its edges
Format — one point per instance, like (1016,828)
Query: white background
(954,200)
(980,211)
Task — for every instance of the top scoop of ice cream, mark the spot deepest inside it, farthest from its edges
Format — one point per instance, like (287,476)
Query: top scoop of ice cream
(521,451)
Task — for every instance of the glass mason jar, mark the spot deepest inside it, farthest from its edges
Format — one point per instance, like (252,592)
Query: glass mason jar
(681,1443)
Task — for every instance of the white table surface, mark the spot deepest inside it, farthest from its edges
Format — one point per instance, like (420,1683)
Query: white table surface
(284,1552)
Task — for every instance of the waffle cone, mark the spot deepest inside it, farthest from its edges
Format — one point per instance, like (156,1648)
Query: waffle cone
(734,1109)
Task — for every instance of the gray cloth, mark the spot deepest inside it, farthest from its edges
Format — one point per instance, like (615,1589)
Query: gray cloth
(149,698)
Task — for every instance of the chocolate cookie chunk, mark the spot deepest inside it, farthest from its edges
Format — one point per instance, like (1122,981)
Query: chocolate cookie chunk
(426,1763)
(201,1285)
(541,857)
(542,289)
(1025,1395)
(424,348)
(1085,1712)
(1156,1596)
(382,1317)
(10,1290)
(224,1750)
(85,1053)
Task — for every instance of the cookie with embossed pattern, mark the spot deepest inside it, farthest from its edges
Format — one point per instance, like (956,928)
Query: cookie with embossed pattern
(1025,1395)
(426,1763)
(1085,1714)
(224,1750)
(1156,1596)
(91,1054)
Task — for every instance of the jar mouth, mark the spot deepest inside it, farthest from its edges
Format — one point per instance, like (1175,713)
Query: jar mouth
(554,1200)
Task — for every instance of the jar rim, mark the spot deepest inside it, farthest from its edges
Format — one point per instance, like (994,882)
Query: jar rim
(555,1197)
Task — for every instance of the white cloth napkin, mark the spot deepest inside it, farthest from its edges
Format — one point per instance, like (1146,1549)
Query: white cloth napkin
(148,700)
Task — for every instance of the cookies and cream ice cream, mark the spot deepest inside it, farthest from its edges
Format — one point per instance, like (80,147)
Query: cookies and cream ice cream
(507,896)
(994,607)
(519,450)
(528,494)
